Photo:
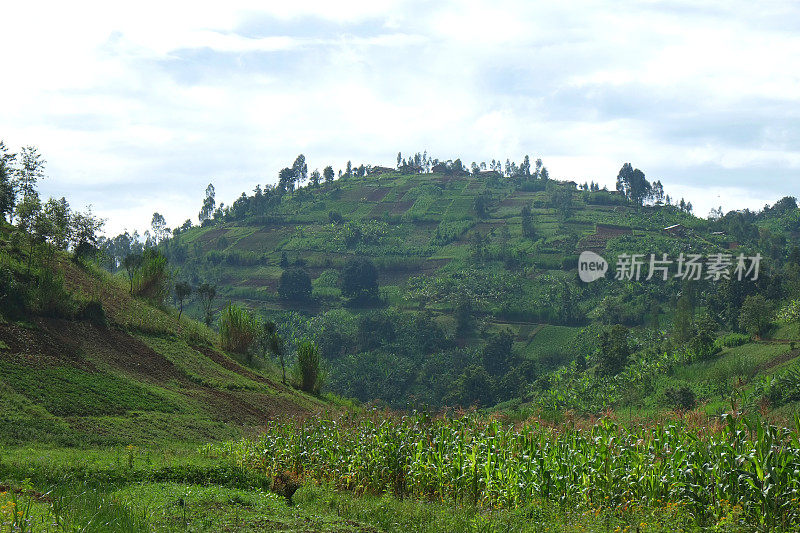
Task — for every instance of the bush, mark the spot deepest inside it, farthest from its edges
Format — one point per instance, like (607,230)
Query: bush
(783,388)
(12,294)
(93,312)
(308,371)
(682,398)
(731,340)
(237,329)
(359,280)
(755,316)
(151,279)
(295,285)
(51,297)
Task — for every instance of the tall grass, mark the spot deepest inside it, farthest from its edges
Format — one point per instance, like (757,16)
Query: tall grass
(744,466)
(82,507)
(237,329)
(308,371)
(151,278)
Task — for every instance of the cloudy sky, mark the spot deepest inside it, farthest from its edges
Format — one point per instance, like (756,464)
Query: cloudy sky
(138,106)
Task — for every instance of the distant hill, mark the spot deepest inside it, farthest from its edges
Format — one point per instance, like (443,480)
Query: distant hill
(424,224)
(476,297)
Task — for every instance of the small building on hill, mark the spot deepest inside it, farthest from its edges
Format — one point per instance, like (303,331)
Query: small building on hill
(374,171)
(490,174)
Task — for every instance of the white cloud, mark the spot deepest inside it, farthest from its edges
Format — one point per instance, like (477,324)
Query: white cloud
(138,106)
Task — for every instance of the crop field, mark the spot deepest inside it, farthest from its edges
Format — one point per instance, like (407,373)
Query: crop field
(734,473)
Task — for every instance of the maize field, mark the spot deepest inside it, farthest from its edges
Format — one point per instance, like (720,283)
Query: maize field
(739,462)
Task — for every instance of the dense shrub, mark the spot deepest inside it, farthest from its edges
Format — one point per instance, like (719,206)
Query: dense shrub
(50,296)
(783,388)
(295,285)
(682,398)
(237,329)
(12,294)
(151,278)
(308,369)
(93,312)
(360,280)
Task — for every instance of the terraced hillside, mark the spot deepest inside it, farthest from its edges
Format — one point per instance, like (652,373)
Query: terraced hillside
(460,260)
(129,373)
(421,227)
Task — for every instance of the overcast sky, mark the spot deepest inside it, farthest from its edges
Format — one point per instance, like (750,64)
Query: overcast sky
(137,106)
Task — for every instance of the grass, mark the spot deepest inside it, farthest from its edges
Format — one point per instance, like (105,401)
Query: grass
(196,366)
(694,474)
(66,390)
(549,340)
(175,488)
(141,377)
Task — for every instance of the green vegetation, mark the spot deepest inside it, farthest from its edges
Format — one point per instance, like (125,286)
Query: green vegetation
(740,472)
(237,329)
(472,254)
(429,287)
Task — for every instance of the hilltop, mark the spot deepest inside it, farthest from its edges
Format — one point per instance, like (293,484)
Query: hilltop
(476,297)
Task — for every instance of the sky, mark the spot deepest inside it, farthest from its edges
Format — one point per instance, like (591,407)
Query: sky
(137,106)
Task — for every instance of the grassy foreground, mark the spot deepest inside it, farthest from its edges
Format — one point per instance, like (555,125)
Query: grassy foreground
(383,472)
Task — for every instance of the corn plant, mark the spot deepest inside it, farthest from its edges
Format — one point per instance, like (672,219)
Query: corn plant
(742,464)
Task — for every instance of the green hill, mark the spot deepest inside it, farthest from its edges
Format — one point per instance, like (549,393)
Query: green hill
(85,362)
(478,298)
(438,289)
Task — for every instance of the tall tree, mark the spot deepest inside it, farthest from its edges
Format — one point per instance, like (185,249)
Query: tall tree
(60,217)
(525,168)
(7,172)
(360,280)
(132,262)
(632,183)
(84,233)
(528,230)
(182,291)
(315,178)
(328,174)
(207,293)
(27,212)
(614,350)
(300,170)
(159,226)
(756,315)
(561,201)
(295,285)
(30,171)
(209,203)
(286,180)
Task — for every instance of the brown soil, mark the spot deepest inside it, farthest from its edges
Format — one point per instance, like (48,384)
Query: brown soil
(117,349)
(398,208)
(377,194)
(37,347)
(59,342)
